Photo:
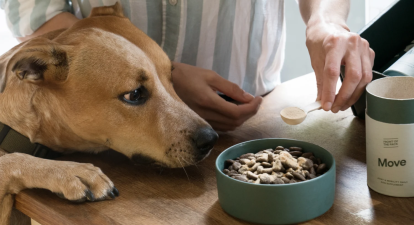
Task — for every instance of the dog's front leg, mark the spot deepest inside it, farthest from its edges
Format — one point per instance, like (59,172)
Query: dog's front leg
(6,200)
(74,181)
(6,206)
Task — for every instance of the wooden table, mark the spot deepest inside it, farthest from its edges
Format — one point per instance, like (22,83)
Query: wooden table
(153,196)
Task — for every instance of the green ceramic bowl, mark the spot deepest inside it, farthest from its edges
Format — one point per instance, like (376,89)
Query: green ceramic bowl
(270,203)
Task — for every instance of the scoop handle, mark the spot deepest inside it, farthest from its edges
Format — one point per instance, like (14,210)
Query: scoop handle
(312,107)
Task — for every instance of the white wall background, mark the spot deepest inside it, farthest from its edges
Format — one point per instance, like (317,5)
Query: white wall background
(375,7)
(297,60)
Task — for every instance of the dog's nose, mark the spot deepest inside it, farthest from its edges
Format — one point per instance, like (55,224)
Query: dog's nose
(205,138)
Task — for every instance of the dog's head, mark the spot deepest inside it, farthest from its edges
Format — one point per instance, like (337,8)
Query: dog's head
(101,84)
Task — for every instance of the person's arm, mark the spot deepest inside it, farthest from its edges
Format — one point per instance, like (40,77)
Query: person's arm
(330,45)
(26,18)
(60,21)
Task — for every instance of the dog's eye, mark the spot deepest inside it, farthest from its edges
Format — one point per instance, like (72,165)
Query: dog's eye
(133,96)
(136,97)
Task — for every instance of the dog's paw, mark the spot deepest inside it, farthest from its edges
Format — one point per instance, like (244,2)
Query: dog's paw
(79,182)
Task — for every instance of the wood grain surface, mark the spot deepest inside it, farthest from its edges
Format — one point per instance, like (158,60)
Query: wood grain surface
(168,196)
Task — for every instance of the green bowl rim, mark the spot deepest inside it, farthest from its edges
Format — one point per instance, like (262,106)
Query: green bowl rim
(273,185)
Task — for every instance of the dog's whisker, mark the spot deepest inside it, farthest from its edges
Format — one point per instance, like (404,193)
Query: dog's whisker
(190,163)
(198,169)
(162,168)
(185,161)
(184,169)
(195,164)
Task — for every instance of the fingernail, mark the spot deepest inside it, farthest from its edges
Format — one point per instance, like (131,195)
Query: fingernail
(327,106)
(335,109)
(247,96)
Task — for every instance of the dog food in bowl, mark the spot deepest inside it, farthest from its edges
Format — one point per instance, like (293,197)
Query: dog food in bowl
(290,203)
(279,166)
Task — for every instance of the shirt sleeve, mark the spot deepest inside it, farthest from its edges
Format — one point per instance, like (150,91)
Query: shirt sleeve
(26,16)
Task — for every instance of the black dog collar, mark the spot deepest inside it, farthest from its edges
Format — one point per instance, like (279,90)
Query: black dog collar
(12,141)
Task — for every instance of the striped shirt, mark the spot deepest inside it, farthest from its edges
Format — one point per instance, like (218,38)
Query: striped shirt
(242,40)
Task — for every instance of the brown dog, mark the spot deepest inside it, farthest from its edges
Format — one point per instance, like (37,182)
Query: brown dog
(101,84)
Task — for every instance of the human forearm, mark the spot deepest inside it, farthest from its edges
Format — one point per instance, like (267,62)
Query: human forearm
(330,45)
(62,20)
(326,11)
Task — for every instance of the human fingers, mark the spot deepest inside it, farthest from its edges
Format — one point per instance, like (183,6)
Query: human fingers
(319,79)
(318,66)
(222,123)
(335,50)
(213,117)
(353,74)
(372,56)
(228,88)
(367,61)
(234,111)
(222,127)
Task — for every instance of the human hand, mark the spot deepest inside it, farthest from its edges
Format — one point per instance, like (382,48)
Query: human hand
(330,46)
(197,88)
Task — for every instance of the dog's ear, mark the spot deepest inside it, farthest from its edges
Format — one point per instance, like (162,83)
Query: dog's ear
(35,60)
(2,73)
(45,61)
(4,60)
(115,10)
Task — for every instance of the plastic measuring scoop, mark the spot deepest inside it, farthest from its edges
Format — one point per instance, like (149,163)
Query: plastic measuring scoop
(295,115)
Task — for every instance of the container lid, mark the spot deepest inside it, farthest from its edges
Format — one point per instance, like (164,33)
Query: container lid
(391,100)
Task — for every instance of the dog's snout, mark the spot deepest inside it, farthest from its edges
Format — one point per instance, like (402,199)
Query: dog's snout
(205,138)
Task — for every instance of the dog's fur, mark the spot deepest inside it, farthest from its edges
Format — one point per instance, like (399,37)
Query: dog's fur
(66,90)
